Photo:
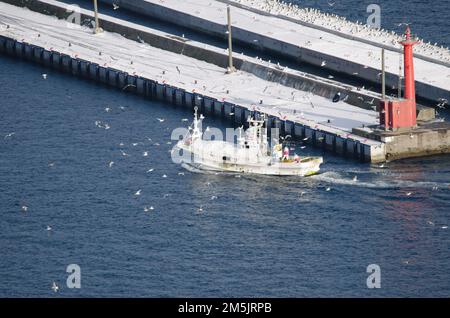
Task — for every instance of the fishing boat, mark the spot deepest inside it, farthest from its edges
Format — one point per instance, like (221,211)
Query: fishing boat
(251,154)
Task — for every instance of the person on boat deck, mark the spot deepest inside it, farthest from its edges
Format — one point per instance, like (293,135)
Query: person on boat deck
(277,151)
(285,154)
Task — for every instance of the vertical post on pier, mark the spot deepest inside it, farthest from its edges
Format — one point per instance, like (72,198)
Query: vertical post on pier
(231,68)
(383,74)
(97,26)
(400,76)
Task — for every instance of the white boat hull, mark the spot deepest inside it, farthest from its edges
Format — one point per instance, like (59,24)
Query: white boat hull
(304,167)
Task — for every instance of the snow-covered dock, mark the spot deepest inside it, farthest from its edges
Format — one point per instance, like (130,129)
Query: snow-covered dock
(266,28)
(115,60)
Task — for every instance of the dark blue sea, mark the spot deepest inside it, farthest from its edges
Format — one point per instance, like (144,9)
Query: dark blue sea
(256,236)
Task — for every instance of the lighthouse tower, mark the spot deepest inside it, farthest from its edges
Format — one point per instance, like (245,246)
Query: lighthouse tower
(401,113)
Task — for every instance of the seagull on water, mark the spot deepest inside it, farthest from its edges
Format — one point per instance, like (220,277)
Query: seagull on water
(164,176)
(44,76)
(55,287)
(161,120)
(24,208)
(150,170)
(147,209)
(138,192)
(328,189)
(408,194)
(111,163)
(9,135)
(355,178)
(49,228)
(124,153)
(115,6)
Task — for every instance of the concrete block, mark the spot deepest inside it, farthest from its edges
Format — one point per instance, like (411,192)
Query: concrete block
(299,131)
(330,142)
(19,49)
(189,100)
(340,145)
(289,127)
(122,80)
(179,97)
(112,77)
(150,88)
(75,66)
(56,60)
(66,61)
(228,110)
(10,46)
(310,134)
(238,114)
(168,94)
(93,71)
(28,51)
(2,43)
(218,108)
(131,83)
(351,149)
(160,88)
(103,74)
(84,68)
(46,57)
(140,86)
(208,105)
(37,54)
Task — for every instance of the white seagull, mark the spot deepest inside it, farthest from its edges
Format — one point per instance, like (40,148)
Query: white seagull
(10,135)
(55,287)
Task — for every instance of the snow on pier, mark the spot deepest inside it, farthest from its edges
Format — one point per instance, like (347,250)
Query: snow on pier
(433,74)
(113,50)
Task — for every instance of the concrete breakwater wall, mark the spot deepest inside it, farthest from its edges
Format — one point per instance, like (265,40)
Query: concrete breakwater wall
(342,145)
(277,47)
(179,45)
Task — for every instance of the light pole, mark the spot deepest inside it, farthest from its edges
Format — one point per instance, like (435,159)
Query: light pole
(231,68)
(97,25)
(383,74)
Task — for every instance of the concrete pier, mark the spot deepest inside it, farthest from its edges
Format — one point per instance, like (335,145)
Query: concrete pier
(114,69)
(301,42)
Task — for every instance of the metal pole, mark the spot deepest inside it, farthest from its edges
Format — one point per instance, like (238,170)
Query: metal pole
(400,76)
(97,26)
(231,68)
(383,75)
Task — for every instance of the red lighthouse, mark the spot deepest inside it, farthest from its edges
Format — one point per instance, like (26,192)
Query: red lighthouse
(401,113)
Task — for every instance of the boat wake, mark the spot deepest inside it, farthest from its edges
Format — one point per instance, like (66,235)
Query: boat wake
(347,179)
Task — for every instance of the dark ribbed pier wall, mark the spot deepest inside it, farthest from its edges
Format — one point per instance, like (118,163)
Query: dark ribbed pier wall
(152,89)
